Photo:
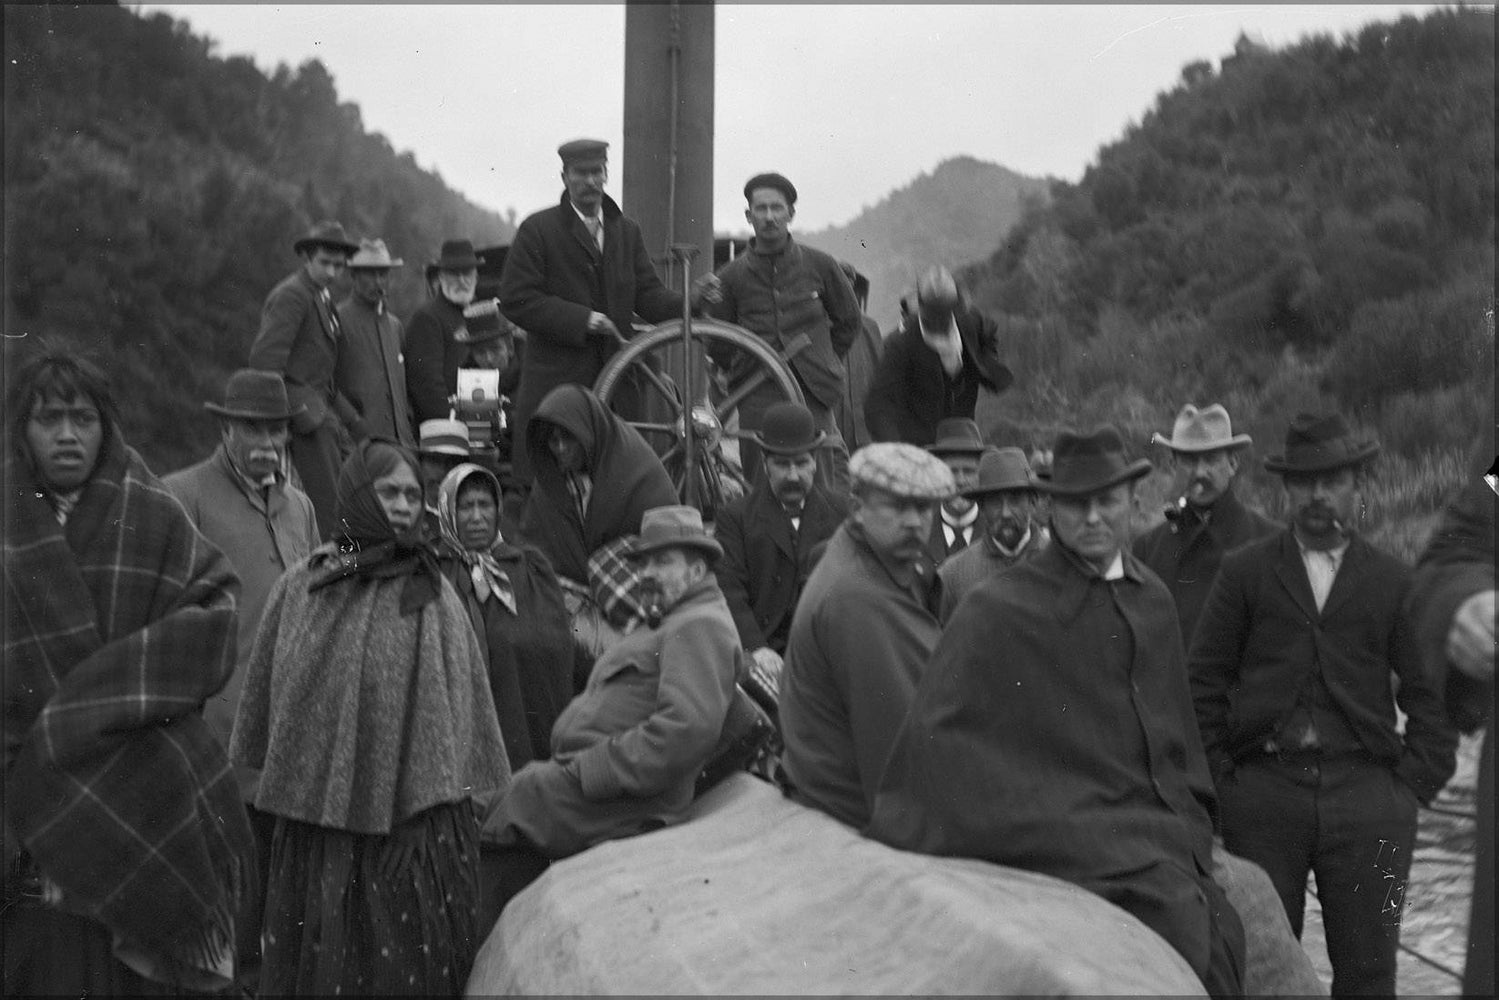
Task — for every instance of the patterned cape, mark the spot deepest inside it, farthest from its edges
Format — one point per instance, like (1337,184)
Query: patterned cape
(117,629)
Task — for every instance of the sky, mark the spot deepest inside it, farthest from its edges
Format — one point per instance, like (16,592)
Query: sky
(849,101)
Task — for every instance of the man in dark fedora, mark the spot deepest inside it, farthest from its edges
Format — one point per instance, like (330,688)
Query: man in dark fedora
(240,500)
(1059,688)
(432,355)
(575,275)
(370,369)
(298,339)
(1291,674)
(932,368)
(959,444)
(1008,530)
(768,536)
(1207,518)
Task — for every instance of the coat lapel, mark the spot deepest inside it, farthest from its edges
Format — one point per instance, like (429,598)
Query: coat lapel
(1292,574)
(773,520)
(1345,584)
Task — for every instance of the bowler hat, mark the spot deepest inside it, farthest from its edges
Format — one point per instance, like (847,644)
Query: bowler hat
(373,254)
(482,322)
(1001,469)
(583,151)
(1207,429)
(788,429)
(957,436)
(443,436)
(902,470)
(771,180)
(328,233)
(252,394)
(1083,464)
(674,527)
(937,292)
(457,255)
(1321,443)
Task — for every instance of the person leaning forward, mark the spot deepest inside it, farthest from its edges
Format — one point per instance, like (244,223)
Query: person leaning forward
(1059,688)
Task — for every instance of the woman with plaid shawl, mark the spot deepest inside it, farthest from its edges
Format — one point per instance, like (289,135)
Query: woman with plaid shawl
(126,847)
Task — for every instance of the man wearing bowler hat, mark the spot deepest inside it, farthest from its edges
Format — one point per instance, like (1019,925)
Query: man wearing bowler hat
(1207,519)
(575,275)
(1008,531)
(298,339)
(1291,675)
(1059,688)
(959,444)
(432,354)
(370,369)
(768,536)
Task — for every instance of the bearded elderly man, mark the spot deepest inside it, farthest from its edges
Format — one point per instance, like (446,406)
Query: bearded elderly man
(1007,501)
(865,625)
(432,353)
(1059,689)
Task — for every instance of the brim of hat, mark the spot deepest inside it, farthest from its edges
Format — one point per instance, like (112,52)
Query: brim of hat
(1278,464)
(1136,469)
(979,492)
(707,546)
(453,450)
(812,445)
(224,411)
(461,264)
(957,449)
(481,338)
(1237,441)
(350,248)
(398,262)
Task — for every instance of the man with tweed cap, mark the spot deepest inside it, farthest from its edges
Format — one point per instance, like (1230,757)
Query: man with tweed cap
(866,622)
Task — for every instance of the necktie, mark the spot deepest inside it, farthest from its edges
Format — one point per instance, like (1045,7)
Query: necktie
(596,229)
(327,302)
(959,542)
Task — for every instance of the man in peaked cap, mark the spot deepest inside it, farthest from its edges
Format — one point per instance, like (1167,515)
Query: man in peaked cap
(370,369)
(959,444)
(1207,519)
(432,353)
(1007,500)
(1291,668)
(865,624)
(1059,688)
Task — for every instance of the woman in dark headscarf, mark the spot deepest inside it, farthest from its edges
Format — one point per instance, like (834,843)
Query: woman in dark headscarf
(367,709)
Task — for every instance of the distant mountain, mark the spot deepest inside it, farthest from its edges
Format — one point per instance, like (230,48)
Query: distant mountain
(958,214)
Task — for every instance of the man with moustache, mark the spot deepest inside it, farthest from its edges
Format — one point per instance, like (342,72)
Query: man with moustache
(1007,501)
(432,353)
(370,369)
(1291,675)
(769,534)
(863,629)
(1208,519)
(959,444)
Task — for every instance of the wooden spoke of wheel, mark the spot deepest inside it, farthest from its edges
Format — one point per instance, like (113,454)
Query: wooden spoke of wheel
(644,427)
(731,402)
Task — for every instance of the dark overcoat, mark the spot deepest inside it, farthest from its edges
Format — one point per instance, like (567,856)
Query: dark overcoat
(433,357)
(911,394)
(370,369)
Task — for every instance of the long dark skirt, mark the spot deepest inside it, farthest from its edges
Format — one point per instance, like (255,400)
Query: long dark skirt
(370,913)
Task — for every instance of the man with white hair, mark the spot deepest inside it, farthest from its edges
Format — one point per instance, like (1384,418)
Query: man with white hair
(432,352)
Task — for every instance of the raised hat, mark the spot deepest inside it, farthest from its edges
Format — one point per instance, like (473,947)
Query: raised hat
(443,436)
(482,322)
(252,394)
(771,180)
(372,254)
(937,290)
(457,255)
(788,429)
(1083,464)
(1207,429)
(1001,469)
(1321,443)
(957,436)
(580,150)
(674,527)
(902,470)
(328,233)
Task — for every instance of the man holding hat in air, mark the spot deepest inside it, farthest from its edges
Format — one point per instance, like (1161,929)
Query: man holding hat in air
(432,353)
(370,368)
(1007,500)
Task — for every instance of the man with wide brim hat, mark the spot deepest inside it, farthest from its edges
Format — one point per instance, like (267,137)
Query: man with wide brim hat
(1302,660)
(1063,679)
(1007,500)
(329,235)
(959,443)
(442,444)
(1206,517)
(433,356)
(371,365)
(769,534)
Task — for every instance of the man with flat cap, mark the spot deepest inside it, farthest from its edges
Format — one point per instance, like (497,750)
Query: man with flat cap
(298,339)
(575,275)
(432,353)
(1059,689)
(370,369)
(1008,531)
(798,301)
(863,629)
(959,444)
(1207,519)
(932,368)
(1292,668)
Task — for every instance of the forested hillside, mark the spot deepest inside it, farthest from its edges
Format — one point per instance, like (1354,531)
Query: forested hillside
(1306,227)
(152,192)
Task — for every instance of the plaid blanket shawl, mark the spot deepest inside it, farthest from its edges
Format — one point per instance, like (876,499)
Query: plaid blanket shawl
(117,628)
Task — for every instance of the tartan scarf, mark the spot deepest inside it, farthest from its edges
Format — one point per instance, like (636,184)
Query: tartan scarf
(118,626)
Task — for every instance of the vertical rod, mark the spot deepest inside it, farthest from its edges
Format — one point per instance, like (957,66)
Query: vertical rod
(684,252)
(674,54)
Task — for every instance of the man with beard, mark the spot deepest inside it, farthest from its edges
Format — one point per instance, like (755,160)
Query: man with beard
(768,537)
(370,368)
(1291,675)
(1006,497)
(432,353)
(865,625)
(1207,519)
(959,444)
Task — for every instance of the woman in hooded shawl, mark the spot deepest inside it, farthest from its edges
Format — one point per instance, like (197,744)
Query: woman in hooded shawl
(367,709)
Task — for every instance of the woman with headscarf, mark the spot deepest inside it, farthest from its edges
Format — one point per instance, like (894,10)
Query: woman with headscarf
(367,709)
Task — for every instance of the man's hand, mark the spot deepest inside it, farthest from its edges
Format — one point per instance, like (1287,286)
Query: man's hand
(603,326)
(1470,640)
(707,289)
(766,667)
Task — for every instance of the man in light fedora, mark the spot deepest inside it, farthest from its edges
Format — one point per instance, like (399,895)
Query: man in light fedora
(1007,500)
(432,355)
(298,339)
(1207,518)
(769,534)
(1291,676)
(442,445)
(627,751)
(959,444)
(240,500)
(370,369)
(1059,688)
